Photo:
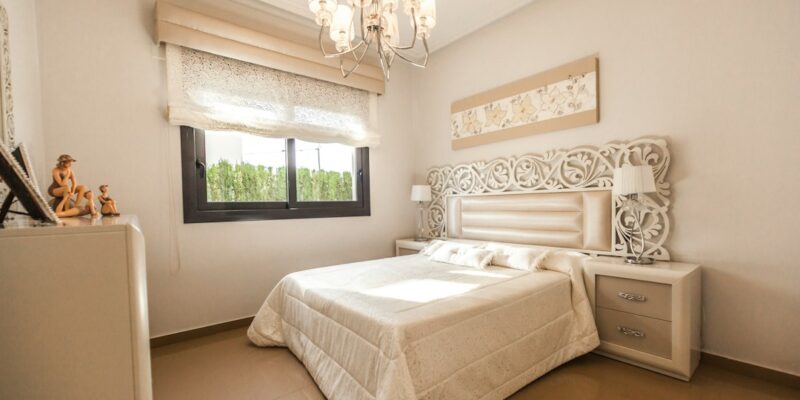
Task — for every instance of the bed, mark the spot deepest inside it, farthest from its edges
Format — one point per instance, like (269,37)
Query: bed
(411,328)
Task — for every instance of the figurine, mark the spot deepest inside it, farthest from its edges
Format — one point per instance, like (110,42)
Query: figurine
(108,205)
(64,185)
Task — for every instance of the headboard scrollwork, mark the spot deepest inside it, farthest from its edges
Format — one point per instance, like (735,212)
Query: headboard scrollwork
(578,168)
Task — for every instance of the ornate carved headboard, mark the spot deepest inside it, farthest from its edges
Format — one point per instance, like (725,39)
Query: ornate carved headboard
(566,176)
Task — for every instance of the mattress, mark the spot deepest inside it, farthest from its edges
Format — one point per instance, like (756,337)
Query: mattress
(409,328)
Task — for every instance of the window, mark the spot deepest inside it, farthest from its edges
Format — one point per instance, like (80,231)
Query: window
(229,176)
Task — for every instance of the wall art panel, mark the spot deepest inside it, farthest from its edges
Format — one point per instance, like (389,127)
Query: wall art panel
(561,98)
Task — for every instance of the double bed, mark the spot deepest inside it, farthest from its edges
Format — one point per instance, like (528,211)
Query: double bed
(412,328)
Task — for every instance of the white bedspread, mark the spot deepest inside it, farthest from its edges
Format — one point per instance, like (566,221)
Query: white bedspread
(409,328)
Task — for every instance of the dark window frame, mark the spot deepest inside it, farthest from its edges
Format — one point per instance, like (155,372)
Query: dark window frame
(196,208)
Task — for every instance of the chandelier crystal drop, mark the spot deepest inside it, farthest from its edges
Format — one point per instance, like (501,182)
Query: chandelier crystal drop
(378,25)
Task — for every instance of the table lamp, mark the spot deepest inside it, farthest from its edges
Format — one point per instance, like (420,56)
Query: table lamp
(630,181)
(420,194)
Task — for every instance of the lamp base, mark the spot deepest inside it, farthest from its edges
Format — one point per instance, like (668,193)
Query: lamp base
(639,261)
(421,239)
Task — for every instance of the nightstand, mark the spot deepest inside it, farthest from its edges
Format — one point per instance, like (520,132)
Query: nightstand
(647,316)
(404,247)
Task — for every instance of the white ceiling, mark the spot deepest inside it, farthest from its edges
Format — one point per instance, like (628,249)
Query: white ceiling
(292,19)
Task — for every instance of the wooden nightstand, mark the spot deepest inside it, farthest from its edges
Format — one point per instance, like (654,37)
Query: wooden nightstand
(404,247)
(648,315)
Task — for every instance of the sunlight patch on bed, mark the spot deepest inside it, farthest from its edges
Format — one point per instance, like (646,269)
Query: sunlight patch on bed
(479,273)
(421,290)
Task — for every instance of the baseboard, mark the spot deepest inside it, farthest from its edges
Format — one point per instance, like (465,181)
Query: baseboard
(199,332)
(755,371)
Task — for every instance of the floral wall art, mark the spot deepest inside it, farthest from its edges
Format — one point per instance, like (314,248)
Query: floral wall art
(561,98)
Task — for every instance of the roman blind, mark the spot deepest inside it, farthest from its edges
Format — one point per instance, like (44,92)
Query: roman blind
(212,92)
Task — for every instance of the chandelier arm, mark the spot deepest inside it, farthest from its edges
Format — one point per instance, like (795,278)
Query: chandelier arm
(424,62)
(363,32)
(332,55)
(382,58)
(414,37)
(356,59)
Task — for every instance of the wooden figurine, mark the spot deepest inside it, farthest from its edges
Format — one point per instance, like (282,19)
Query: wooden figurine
(108,205)
(64,186)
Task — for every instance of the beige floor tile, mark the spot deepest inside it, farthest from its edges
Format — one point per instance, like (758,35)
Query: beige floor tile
(226,366)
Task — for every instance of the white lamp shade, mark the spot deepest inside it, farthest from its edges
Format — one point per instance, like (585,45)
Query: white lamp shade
(631,179)
(420,193)
(341,30)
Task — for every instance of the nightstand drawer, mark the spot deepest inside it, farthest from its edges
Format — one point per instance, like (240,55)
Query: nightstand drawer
(645,334)
(406,252)
(648,299)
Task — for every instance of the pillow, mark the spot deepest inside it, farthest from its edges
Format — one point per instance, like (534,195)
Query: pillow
(462,254)
(431,247)
(521,258)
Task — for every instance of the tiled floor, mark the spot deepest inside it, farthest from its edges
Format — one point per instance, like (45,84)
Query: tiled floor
(226,366)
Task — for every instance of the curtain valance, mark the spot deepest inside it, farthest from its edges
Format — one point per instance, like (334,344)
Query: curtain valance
(212,92)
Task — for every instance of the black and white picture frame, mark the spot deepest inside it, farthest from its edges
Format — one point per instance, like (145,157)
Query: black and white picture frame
(16,171)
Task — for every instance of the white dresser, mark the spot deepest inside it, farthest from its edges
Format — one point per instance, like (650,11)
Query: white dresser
(73,311)
(647,315)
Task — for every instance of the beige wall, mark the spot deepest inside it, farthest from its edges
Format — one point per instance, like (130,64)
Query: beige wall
(721,79)
(25,82)
(104,101)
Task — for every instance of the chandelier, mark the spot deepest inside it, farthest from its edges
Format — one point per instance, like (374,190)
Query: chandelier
(379,25)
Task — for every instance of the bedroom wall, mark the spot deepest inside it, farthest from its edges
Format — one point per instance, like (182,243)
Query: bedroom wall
(25,81)
(103,84)
(720,80)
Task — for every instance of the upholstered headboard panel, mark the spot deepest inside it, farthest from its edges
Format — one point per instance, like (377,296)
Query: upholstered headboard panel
(579,220)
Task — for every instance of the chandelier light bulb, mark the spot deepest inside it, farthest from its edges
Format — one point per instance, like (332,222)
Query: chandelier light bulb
(342,32)
(408,5)
(323,10)
(390,5)
(360,3)
(391,29)
(427,13)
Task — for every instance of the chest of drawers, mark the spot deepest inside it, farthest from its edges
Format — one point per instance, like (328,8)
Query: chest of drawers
(648,316)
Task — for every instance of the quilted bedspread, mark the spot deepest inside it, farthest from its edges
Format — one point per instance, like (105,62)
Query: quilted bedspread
(410,328)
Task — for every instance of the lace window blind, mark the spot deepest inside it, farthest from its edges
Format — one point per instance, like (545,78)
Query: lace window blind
(212,92)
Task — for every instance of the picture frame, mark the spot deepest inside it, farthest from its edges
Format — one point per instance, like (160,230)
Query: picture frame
(15,171)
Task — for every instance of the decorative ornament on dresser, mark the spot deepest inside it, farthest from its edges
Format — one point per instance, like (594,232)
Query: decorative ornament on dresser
(420,194)
(560,98)
(558,170)
(108,207)
(65,186)
(378,24)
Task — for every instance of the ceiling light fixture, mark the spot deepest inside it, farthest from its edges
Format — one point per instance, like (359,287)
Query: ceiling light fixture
(379,25)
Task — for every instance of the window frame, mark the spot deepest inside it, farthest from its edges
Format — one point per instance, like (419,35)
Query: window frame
(197,209)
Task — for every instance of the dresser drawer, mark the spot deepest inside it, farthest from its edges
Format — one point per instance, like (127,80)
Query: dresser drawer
(648,299)
(644,334)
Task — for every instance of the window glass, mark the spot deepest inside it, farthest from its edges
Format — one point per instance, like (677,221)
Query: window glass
(245,168)
(325,172)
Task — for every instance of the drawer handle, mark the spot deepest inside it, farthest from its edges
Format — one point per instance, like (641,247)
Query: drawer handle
(630,331)
(632,297)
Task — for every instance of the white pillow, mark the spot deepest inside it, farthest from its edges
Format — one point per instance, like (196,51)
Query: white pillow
(431,247)
(521,258)
(462,254)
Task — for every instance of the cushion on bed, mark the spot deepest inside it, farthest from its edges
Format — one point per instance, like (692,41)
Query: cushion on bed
(521,258)
(462,254)
(431,247)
